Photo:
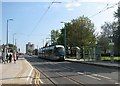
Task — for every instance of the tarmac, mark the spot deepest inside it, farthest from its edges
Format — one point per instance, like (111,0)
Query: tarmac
(19,73)
(22,72)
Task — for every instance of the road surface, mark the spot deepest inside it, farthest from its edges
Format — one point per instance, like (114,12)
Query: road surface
(73,73)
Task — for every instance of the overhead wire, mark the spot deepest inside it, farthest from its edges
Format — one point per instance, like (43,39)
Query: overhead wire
(104,9)
(41,18)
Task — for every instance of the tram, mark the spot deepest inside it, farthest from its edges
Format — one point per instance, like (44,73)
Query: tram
(56,53)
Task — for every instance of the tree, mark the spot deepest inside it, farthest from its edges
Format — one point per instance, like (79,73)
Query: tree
(107,29)
(79,32)
(117,33)
(10,47)
(35,52)
(107,35)
(30,51)
(54,36)
(103,42)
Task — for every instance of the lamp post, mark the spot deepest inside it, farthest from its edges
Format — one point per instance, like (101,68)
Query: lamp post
(64,38)
(0,47)
(118,8)
(0,42)
(119,4)
(15,42)
(43,42)
(14,37)
(111,44)
(7,31)
(7,37)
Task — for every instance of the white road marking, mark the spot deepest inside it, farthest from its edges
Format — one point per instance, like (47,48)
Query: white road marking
(101,76)
(41,81)
(106,78)
(80,73)
(88,75)
(117,83)
(93,77)
(30,71)
(97,75)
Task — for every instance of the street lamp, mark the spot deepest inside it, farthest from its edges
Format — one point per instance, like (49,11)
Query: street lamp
(119,4)
(7,37)
(13,37)
(111,44)
(7,30)
(64,38)
(43,42)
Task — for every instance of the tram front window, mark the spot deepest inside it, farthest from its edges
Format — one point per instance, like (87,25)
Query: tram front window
(61,51)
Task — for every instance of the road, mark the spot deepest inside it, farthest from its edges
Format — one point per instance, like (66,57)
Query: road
(73,73)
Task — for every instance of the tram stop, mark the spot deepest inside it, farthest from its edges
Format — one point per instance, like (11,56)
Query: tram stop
(77,53)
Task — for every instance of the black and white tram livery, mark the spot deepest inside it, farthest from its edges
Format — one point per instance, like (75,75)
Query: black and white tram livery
(56,53)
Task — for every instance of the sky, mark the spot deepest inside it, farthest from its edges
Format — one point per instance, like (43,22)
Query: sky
(33,20)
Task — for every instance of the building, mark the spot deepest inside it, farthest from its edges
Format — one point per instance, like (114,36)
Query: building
(29,48)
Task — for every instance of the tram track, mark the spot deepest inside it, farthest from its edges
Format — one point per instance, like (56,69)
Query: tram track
(61,75)
(87,74)
(46,76)
(90,75)
(56,71)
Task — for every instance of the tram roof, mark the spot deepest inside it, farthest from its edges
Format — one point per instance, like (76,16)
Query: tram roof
(51,47)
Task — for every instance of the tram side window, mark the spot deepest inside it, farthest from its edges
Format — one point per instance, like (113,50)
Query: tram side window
(51,52)
(55,51)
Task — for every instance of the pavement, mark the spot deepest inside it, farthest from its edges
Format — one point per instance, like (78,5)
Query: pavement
(18,73)
(114,65)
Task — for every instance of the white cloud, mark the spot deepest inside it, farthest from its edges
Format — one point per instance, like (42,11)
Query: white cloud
(71,5)
(76,3)
(69,9)
(102,1)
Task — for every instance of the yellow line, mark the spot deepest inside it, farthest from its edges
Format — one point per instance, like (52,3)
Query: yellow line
(37,77)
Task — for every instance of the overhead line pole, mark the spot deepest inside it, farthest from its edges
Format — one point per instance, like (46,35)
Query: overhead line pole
(64,37)
(42,16)
(6,50)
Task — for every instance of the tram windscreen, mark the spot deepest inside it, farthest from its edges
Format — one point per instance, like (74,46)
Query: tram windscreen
(61,51)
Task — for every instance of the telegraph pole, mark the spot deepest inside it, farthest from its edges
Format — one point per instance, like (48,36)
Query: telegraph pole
(6,48)
(64,37)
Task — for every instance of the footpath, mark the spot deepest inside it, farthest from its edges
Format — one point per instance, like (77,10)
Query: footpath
(19,73)
(114,65)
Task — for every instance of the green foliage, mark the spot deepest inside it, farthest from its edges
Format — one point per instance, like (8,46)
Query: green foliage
(117,33)
(30,51)
(79,32)
(107,29)
(109,58)
(35,52)
(12,47)
(54,36)
(117,14)
(107,36)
